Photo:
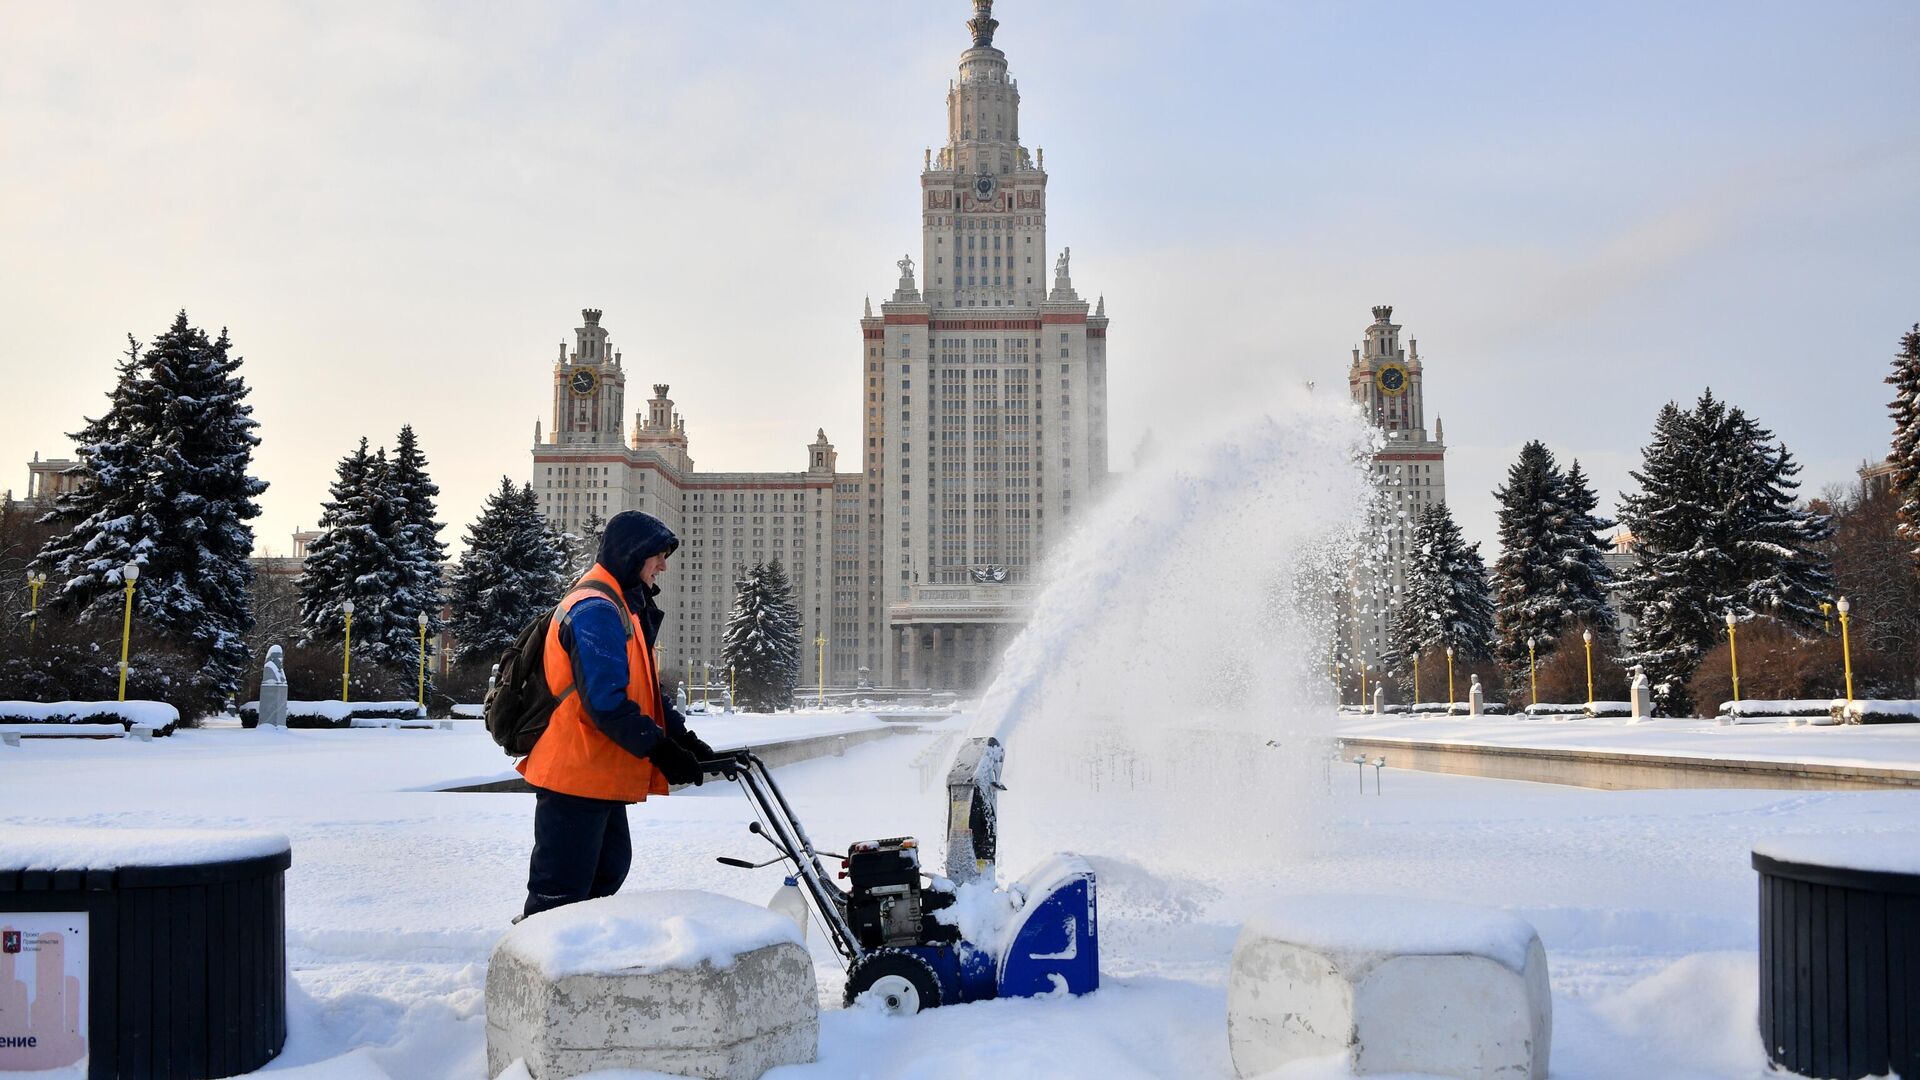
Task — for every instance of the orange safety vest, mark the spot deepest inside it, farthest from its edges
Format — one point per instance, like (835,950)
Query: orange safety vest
(573,756)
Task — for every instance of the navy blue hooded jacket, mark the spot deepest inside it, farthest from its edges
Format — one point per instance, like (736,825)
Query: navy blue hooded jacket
(593,635)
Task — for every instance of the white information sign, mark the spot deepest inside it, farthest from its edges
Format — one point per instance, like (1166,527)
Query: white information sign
(43,991)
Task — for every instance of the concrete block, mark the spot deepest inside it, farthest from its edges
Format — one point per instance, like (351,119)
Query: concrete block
(1398,986)
(685,983)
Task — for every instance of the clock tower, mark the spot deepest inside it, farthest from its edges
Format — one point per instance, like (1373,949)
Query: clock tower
(589,388)
(1409,472)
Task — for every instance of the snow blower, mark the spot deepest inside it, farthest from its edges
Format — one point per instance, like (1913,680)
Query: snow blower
(886,922)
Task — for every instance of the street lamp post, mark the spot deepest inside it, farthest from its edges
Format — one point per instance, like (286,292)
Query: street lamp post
(706,684)
(1416,676)
(1533,679)
(1449,680)
(1733,655)
(423,661)
(1586,636)
(1364,668)
(35,582)
(346,651)
(1846,650)
(1340,682)
(820,665)
(130,574)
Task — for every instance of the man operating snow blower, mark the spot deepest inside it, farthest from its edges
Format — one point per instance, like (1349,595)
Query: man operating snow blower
(612,739)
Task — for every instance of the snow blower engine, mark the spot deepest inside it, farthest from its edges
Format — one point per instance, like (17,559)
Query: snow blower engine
(900,929)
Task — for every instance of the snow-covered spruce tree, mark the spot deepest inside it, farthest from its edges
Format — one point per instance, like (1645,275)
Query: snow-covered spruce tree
(1717,530)
(1530,577)
(510,572)
(1447,601)
(1905,453)
(787,618)
(1668,589)
(356,558)
(168,487)
(419,552)
(97,523)
(584,546)
(1781,567)
(1589,578)
(762,642)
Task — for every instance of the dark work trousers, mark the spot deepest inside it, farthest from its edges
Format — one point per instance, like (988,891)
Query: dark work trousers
(581,850)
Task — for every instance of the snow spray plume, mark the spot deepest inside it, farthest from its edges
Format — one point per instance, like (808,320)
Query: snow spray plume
(1166,703)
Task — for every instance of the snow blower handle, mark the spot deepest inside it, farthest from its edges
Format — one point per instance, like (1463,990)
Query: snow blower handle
(726,765)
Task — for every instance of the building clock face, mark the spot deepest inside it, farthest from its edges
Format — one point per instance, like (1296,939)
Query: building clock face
(1392,380)
(584,382)
(984,187)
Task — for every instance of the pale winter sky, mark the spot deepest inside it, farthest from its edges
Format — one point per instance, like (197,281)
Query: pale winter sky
(1580,211)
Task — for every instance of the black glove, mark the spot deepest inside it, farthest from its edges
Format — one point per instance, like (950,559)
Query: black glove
(675,763)
(696,746)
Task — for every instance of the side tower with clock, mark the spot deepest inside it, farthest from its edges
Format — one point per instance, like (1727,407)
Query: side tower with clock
(589,388)
(1386,383)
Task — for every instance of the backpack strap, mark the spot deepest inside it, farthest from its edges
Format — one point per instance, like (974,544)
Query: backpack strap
(601,589)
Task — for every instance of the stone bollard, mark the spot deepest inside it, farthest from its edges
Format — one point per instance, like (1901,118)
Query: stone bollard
(1476,699)
(1394,985)
(1379,701)
(1642,695)
(680,699)
(681,982)
(273,690)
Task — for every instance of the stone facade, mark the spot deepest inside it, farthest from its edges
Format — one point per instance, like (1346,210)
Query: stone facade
(1387,383)
(917,569)
(587,469)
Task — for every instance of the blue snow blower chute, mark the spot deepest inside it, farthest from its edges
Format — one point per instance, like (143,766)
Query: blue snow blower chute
(899,952)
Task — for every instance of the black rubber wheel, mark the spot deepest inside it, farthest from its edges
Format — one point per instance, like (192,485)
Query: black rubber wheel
(901,982)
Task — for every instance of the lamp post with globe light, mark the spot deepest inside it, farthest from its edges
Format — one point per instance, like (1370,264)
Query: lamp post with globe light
(1733,654)
(423,662)
(1846,649)
(1586,636)
(35,582)
(130,574)
(346,651)
(1533,680)
(1449,680)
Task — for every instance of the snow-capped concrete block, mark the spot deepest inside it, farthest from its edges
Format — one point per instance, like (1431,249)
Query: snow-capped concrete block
(681,982)
(1397,985)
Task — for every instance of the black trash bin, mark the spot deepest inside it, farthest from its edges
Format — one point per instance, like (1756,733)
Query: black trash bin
(1840,954)
(175,942)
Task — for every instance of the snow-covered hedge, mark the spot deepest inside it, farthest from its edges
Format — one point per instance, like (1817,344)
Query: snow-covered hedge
(71,717)
(1554,708)
(336,714)
(1865,711)
(1609,708)
(1746,708)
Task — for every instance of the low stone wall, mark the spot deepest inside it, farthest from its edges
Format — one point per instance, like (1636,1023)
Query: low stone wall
(1620,771)
(774,754)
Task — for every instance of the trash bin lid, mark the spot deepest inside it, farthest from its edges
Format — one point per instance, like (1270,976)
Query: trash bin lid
(1886,861)
(41,857)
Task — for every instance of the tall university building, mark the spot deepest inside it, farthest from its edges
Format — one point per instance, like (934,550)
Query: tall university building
(984,389)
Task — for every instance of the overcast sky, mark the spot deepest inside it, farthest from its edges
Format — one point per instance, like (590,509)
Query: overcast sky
(1581,211)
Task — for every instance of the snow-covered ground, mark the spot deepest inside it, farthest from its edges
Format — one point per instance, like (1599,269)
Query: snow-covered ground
(1645,899)
(1887,746)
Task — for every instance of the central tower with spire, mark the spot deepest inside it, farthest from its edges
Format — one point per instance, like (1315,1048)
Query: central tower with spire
(985,377)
